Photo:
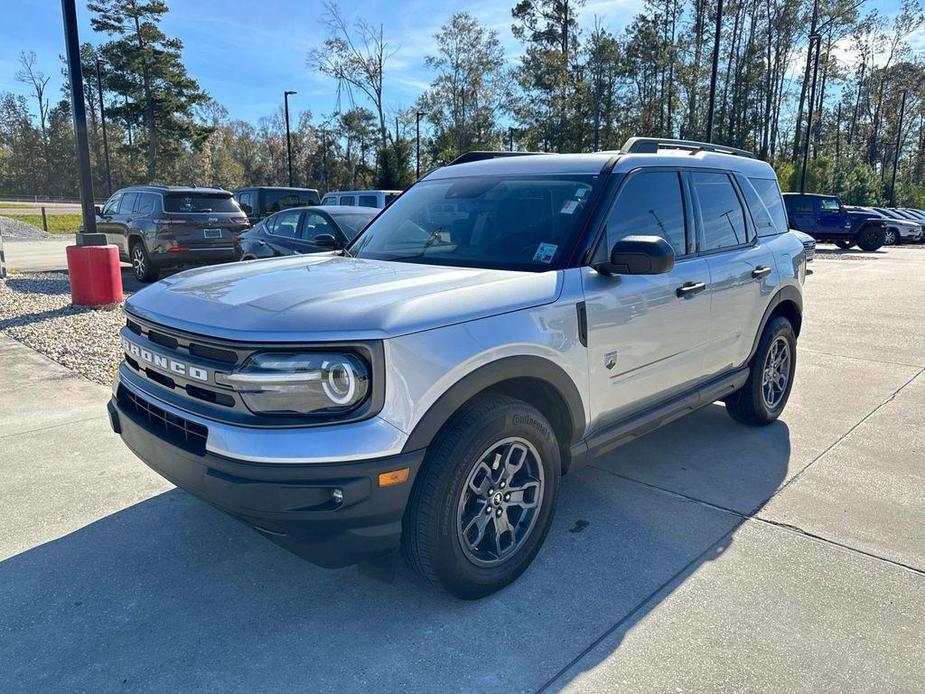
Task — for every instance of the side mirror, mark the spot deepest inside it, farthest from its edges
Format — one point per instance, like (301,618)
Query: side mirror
(639,255)
(98,210)
(325,241)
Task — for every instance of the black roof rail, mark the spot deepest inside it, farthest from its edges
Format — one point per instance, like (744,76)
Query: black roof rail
(481,156)
(651,145)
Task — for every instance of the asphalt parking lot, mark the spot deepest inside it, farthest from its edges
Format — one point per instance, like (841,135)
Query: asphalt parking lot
(707,556)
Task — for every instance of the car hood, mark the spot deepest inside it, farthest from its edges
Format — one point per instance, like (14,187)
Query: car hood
(330,297)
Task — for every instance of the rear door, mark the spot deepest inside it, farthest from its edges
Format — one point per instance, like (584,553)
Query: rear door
(106,222)
(832,217)
(283,233)
(742,270)
(646,333)
(801,213)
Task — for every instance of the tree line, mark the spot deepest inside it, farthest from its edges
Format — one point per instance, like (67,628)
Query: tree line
(577,85)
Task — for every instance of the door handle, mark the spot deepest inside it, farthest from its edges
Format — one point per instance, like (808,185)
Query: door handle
(761,271)
(690,288)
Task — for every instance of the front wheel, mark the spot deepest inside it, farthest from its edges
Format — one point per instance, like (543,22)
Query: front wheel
(763,397)
(844,244)
(871,238)
(484,500)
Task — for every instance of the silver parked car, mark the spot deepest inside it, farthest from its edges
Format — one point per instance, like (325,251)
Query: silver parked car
(504,321)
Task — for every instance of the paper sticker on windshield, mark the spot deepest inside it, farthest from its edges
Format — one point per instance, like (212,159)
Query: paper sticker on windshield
(544,253)
(569,207)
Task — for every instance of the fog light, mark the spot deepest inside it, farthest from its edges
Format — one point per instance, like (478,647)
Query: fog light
(338,496)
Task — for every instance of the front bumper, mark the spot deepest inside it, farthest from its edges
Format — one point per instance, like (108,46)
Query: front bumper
(294,505)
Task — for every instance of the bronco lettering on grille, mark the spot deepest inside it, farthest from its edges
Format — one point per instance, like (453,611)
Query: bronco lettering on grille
(167,364)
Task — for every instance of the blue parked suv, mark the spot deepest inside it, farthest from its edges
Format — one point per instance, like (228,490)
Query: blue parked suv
(825,218)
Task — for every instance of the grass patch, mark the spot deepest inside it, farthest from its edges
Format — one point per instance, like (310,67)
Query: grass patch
(57,223)
(14,205)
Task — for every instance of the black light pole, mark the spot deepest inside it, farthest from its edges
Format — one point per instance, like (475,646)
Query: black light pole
(286,95)
(99,90)
(812,102)
(712,108)
(899,134)
(417,143)
(510,139)
(72,47)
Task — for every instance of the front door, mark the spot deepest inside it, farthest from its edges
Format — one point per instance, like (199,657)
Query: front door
(105,223)
(646,333)
(283,236)
(832,217)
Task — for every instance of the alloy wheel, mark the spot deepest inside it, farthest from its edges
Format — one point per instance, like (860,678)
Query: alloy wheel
(500,501)
(776,373)
(138,262)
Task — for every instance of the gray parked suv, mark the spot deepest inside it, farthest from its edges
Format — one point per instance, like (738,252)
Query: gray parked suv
(502,322)
(157,227)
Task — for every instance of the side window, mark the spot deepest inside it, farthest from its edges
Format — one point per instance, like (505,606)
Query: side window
(146,204)
(286,224)
(769,192)
(721,214)
(761,218)
(329,200)
(128,203)
(246,201)
(650,204)
(829,205)
(346,200)
(315,225)
(797,205)
(112,205)
(368,201)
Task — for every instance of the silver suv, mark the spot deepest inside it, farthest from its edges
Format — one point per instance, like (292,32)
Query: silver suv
(503,321)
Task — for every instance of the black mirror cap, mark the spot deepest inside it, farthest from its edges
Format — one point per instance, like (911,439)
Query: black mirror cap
(639,255)
(98,210)
(325,241)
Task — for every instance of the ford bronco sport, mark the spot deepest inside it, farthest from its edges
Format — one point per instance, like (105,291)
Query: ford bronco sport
(504,320)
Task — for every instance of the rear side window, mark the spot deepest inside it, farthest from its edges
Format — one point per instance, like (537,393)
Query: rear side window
(368,201)
(286,224)
(769,192)
(146,204)
(798,205)
(649,205)
(721,214)
(127,206)
(247,201)
(761,218)
(346,200)
(200,202)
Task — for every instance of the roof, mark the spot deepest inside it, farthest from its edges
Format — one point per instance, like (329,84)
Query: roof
(300,190)
(153,188)
(809,195)
(335,209)
(362,192)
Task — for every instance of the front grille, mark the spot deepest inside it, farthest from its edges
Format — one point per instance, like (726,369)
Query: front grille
(176,430)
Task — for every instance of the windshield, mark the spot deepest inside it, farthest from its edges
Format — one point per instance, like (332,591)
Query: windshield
(504,222)
(200,202)
(351,223)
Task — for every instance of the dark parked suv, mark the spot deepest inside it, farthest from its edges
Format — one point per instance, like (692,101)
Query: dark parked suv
(261,201)
(166,226)
(825,218)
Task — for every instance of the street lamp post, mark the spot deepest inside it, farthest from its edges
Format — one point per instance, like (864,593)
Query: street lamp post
(99,90)
(72,43)
(899,134)
(712,108)
(812,102)
(286,95)
(417,142)
(510,139)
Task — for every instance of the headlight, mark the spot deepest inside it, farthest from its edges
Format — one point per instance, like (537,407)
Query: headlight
(279,383)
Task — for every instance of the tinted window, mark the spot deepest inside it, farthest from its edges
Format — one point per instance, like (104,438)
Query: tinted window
(799,205)
(721,212)
(315,225)
(200,202)
(329,201)
(515,222)
(761,218)
(146,204)
(368,201)
(276,200)
(389,197)
(246,201)
(649,205)
(112,204)
(127,206)
(769,192)
(346,200)
(352,224)
(286,224)
(829,205)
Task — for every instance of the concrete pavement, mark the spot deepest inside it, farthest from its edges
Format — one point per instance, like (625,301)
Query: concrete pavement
(707,556)
(46,255)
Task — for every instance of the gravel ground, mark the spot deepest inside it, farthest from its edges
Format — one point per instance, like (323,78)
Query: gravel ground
(36,309)
(14,229)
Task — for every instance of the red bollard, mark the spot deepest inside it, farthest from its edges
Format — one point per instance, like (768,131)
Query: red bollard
(95,275)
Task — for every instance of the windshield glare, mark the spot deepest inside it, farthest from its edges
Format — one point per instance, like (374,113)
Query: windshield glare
(504,222)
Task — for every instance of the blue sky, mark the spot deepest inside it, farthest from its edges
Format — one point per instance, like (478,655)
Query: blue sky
(245,53)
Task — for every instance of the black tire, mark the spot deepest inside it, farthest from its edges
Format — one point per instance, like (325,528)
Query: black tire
(871,238)
(432,529)
(750,405)
(890,237)
(142,267)
(844,244)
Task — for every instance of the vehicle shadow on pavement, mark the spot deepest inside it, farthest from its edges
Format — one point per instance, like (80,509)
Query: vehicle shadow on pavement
(170,594)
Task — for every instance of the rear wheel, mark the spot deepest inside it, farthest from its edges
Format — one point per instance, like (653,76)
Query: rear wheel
(764,395)
(484,500)
(890,238)
(142,267)
(870,238)
(844,244)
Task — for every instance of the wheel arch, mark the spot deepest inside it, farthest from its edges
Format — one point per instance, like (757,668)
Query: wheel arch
(788,302)
(535,380)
